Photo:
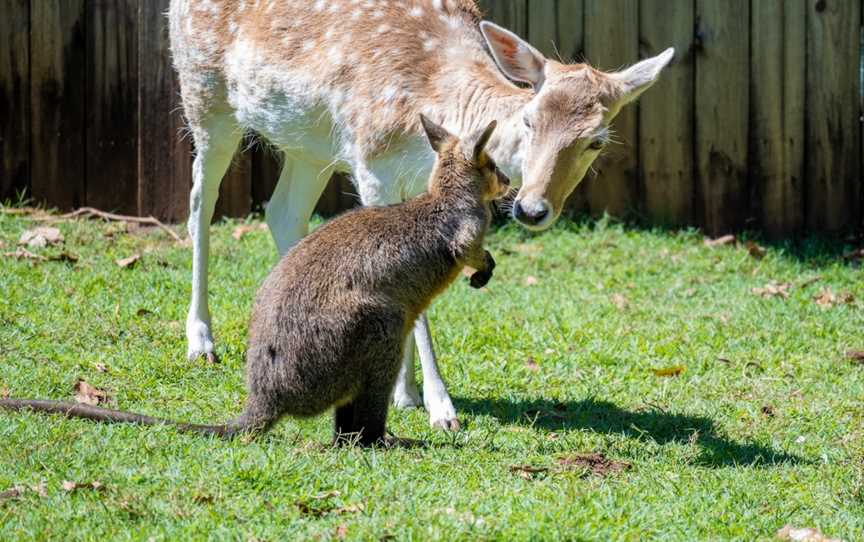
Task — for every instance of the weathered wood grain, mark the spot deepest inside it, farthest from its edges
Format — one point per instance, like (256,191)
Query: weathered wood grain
(164,157)
(57,97)
(666,115)
(14,98)
(833,161)
(612,42)
(112,105)
(511,14)
(235,192)
(571,29)
(722,106)
(777,82)
(543,26)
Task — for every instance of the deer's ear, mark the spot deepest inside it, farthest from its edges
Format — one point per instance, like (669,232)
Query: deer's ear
(516,57)
(434,132)
(481,139)
(639,77)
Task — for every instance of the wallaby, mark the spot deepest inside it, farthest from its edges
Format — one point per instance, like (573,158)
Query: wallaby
(330,321)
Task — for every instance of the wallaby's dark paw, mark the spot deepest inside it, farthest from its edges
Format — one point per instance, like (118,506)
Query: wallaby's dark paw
(480,279)
(490,262)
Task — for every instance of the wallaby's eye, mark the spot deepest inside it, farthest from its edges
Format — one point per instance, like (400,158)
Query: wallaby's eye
(597,145)
(527,122)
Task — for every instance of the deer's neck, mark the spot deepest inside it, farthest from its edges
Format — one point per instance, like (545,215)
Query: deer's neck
(472,95)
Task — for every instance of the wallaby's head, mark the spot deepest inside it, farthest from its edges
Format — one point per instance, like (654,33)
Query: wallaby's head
(566,124)
(462,164)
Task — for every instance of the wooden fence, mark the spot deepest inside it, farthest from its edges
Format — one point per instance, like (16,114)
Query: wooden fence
(756,125)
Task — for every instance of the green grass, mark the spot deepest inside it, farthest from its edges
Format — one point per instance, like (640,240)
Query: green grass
(708,463)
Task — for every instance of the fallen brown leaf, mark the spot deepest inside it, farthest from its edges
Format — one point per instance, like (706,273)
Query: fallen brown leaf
(128,263)
(857,357)
(595,463)
(11,493)
(527,472)
(676,370)
(532,365)
(4,393)
(755,250)
(41,237)
(89,395)
(620,301)
(720,241)
(341,531)
(827,298)
(242,230)
(807,534)
(530,280)
(773,290)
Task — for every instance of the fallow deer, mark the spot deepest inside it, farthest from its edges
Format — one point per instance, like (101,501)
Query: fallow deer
(339,85)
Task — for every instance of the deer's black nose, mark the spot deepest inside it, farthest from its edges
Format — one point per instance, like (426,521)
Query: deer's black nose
(530,216)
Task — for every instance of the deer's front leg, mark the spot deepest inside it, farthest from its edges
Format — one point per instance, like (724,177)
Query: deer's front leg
(215,142)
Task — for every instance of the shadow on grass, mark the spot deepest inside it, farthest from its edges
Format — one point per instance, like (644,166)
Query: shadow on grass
(606,417)
(812,249)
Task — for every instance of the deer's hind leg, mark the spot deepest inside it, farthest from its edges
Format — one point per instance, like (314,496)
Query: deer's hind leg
(290,208)
(216,138)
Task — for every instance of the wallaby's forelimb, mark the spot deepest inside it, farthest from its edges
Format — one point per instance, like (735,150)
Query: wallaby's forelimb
(481,277)
(104,415)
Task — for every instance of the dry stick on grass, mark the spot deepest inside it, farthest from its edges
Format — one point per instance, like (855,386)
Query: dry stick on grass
(91,212)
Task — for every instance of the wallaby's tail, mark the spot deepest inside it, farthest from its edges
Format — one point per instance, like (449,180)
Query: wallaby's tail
(104,415)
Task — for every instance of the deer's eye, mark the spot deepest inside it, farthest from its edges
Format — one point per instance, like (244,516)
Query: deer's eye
(527,122)
(597,145)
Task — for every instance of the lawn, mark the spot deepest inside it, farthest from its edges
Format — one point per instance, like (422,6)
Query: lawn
(720,413)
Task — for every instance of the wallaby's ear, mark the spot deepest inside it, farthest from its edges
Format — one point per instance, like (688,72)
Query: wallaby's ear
(481,138)
(639,77)
(516,57)
(434,132)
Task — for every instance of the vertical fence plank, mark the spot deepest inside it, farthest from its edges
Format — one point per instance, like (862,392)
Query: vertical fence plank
(666,114)
(542,26)
(571,37)
(833,126)
(571,30)
(14,98)
(235,192)
(511,14)
(266,167)
(722,112)
(112,105)
(777,82)
(611,42)
(57,87)
(164,158)
(339,196)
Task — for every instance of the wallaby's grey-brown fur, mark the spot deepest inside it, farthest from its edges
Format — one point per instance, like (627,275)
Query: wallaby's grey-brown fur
(331,320)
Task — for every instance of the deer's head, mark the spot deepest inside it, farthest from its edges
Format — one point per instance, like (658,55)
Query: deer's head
(566,123)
